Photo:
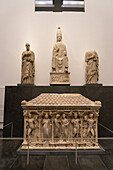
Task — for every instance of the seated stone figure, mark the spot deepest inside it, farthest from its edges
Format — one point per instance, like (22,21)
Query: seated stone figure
(60,59)
(59,74)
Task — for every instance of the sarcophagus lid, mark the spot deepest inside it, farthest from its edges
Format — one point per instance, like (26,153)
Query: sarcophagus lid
(54,101)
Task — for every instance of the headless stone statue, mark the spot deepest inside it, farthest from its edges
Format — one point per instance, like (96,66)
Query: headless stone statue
(28,66)
(59,73)
(92,71)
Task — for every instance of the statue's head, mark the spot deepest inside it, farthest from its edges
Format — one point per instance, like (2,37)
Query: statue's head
(75,115)
(46,116)
(85,117)
(30,115)
(57,116)
(27,46)
(59,35)
(91,115)
(63,115)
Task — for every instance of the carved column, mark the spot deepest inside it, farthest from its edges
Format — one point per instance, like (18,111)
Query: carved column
(25,113)
(81,125)
(96,129)
(40,131)
(52,126)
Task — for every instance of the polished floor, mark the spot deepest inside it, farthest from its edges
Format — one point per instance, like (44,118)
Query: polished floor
(10,159)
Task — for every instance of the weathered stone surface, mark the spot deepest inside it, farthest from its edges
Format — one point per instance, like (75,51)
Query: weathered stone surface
(59,73)
(60,78)
(55,121)
(28,66)
(92,68)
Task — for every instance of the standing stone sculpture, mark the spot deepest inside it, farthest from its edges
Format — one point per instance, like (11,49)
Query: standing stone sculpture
(32,125)
(46,126)
(85,127)
(28,66)
(57,126)
(65,124)
(36,126)
(76,125)
(92,70)
(59,73)
(91,127)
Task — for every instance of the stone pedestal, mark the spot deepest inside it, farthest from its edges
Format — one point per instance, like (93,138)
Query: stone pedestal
(26,85)
(93,85)
(59,78)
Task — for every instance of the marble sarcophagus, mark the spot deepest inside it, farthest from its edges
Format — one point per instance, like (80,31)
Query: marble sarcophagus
(58,121)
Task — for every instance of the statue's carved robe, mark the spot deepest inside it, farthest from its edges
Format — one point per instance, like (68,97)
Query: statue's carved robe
(59,60)
(57,128)
(92,71)
(46,127)
(28,67)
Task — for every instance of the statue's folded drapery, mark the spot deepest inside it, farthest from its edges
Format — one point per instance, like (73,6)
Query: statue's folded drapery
(28,66)
(92,71)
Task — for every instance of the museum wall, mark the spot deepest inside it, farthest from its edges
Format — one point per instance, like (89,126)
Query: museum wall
(2,90)
(82,31)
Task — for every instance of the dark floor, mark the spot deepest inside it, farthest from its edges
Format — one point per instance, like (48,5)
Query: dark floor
(9,159)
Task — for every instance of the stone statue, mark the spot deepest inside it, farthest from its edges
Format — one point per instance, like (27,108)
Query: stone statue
(59,74)
(57,126)
(92,70)
(65,124)
(36,126)
(28,66)
(46,126)
(91,127)
(30,126)
(60,59)
(76,125)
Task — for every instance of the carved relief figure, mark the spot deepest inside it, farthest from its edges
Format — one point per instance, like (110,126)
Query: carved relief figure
(36,127)
(32,126)
(76,125)
(92,70)
(91,126)
(85,127)
(59,59)
(57,126)
(28,66)
(46,126)
(65,123)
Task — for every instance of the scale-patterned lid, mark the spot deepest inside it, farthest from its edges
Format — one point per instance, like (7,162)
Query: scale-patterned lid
(58,100)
